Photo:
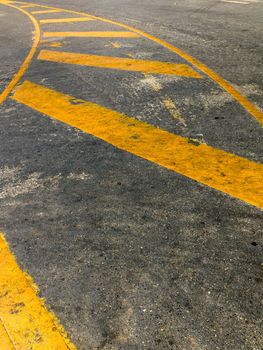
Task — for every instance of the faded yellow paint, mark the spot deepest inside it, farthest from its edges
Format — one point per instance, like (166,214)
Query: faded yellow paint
(24,320)
(28,59)
(173,110)
(167,101)
(65,20)
(116,45)
(92,34)
(226,172)
(128,64)
(45,11)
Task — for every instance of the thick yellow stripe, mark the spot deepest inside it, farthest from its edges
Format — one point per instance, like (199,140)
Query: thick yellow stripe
(129,64)
(92,34)
(65,20)
(223,171)
(22,313)
(45,11)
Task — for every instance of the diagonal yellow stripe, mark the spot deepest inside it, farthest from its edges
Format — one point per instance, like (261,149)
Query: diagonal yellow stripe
(23,316)
(236,176)
(45,11)
(92,34)
(128,64)
(65,20)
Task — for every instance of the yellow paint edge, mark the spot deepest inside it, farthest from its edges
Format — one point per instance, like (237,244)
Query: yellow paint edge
(225,85)
(23,315)
(225,172)
(28,59)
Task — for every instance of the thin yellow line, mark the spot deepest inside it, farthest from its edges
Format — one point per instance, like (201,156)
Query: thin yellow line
(45,11)
(92,34)
(127,64)
(28,59)
(30,5)
(23,314)
(65,20)
(226,172)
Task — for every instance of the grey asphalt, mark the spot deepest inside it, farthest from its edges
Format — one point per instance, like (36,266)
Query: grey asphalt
(130,255)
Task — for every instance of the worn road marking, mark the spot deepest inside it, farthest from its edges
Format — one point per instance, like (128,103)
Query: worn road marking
(45,11)
(127,64)
(23,316)
(65,20)
(173,110)
(226,172)
(92,34)
(167,101)
(28,59)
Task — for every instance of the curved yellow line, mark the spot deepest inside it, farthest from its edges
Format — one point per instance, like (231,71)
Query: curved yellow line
(242,100)
(28,59)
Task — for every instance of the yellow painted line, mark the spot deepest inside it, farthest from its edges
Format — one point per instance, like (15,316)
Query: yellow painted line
(167,101)
(173,110)
(242,100)
(23,315)
(28,59)
(128,64)
(44,11)
(65,20)
(228,173)
(30,5)
(92,34)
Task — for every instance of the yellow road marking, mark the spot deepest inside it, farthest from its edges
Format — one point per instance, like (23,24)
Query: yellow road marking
(129,64)
(173,110)
(242,100)
(92,34)
(30,5)
(116,45)
(45,11)
(25,319)
(28,59)
(65,20)
(167,101)
(226,172)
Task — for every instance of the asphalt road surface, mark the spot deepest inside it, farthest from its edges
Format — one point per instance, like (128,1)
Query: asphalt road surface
(131,178)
